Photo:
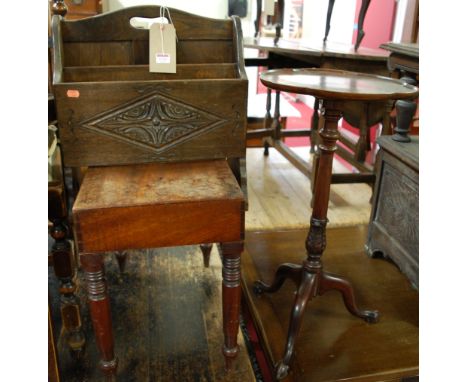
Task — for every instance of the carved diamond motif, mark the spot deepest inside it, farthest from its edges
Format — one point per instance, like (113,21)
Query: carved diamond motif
(156,122)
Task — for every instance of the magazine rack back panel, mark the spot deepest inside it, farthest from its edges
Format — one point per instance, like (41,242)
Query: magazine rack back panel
(112,110)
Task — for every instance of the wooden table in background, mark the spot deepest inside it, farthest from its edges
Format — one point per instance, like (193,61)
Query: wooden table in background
(403,56)
(300,53)
(362,115)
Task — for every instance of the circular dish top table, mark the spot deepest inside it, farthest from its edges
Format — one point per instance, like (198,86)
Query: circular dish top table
(335,88)
(337,84)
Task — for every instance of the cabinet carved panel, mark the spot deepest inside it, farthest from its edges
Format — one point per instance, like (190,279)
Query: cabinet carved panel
(156,122)
(394,223)
(398,210)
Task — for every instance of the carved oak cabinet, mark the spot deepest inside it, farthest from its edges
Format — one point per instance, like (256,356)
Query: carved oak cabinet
(160,147)
(394,223)
(113,111)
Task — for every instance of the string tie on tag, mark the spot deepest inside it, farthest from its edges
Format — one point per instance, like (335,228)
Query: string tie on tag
(162,11)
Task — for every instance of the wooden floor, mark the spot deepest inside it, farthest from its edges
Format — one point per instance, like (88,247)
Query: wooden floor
(279,194)
(334,345)
(167,321)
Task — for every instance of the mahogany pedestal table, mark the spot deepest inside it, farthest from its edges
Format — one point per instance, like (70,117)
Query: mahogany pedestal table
(334,89)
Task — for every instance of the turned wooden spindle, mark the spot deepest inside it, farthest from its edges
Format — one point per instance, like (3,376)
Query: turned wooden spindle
(276,124)
(314,126)
(64,268)
(363,143)
(59,8)
(386,120)
(267,122)
(99,306)
(405,110)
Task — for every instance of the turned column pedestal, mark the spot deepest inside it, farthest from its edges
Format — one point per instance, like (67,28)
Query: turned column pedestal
(334,88)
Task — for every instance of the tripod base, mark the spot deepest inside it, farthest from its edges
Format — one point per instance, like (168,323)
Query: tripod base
(310,283)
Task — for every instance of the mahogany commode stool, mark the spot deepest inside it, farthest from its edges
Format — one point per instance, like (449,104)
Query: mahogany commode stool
(158,205)
(165,151)
(333,88)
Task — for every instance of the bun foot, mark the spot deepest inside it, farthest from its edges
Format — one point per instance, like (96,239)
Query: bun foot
(282,371)
(371,316)
(258,288)
(109,368)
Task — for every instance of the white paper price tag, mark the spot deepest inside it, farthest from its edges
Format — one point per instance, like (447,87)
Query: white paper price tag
(163,58)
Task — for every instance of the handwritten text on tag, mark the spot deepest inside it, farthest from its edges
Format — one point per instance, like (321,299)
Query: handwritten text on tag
(163,58)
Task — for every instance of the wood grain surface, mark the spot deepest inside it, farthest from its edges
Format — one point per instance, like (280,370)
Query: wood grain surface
(158,205)
(314,48)
(279,194)
(337,84)
(111,110)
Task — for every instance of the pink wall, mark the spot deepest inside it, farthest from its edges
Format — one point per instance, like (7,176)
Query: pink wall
(378,24)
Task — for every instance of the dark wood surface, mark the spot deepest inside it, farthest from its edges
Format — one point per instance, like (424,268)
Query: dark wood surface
(78,9)
(403,56)
(394,222)
(409,49)
(316,48)
(303,54)
(334,345)
(157,205)
(337,85)
(167,317)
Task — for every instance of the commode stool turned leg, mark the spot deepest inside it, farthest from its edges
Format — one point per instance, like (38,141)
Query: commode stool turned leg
(231,254)
(99,307)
